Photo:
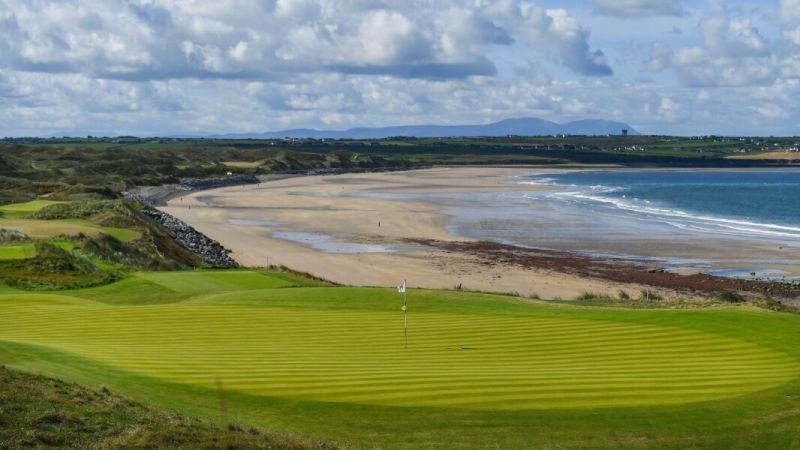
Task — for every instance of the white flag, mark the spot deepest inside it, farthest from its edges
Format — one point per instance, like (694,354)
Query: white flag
(402,288)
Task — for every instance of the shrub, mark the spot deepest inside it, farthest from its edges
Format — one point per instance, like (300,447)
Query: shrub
(730,297)
(12,235)
(82,209)
(53,268)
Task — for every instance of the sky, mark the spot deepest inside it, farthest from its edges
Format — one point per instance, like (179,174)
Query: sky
(161,67)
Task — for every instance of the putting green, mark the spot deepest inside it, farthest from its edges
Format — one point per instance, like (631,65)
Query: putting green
(309,344)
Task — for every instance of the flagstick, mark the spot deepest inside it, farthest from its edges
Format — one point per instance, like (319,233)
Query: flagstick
(405,319)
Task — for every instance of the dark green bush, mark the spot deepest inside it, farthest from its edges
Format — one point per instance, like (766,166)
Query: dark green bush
(730,297)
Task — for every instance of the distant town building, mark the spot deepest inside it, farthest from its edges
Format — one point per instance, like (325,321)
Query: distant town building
(624,131)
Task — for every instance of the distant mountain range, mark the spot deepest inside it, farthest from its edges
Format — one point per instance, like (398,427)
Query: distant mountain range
(529,126)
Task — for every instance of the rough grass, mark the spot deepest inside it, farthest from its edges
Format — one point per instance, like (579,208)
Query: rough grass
(112,233)
(39,412)
(480,370)
(52,267)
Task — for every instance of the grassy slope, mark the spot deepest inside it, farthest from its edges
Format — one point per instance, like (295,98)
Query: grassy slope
(112,234)
(15,216)
(41,412)
(281,350)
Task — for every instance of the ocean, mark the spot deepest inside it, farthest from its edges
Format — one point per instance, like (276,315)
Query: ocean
(747,203)
(724,222)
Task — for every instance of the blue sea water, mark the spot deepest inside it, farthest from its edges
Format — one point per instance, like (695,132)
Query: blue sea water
(724,222)
(729,223)
(756,203)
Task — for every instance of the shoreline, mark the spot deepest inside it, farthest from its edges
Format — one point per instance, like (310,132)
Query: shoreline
(581,219)
(612,270)
(314,205)
(361,229)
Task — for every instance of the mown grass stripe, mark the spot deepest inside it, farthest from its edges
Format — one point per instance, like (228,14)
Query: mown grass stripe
(327,352)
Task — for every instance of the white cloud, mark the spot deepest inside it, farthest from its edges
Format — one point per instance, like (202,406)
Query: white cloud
(732,37)
(145,40)
(572,40)
(794,35)
(734,53)
(770,111)
(688,56)
(164,66)
(389,37)
(789,10)
(668,108)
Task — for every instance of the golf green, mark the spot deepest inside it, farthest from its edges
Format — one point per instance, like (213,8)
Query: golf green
(460,359)
(330,362)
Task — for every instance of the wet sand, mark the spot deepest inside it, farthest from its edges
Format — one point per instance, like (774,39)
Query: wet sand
(370,230)
(245,219)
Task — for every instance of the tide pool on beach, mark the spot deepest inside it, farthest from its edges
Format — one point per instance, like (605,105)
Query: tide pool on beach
(330,244)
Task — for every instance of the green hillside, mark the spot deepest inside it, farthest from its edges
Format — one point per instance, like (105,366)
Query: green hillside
(39,412)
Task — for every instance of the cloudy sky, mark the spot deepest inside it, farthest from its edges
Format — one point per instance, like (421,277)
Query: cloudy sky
(167,66)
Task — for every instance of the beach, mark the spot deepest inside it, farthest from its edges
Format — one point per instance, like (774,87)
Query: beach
(377,229)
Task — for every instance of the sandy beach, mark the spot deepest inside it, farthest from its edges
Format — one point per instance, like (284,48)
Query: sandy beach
(246,219)
(380,228)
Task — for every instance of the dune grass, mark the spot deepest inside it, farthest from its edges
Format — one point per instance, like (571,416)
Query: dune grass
(38,412)
(480,370)
(15,216)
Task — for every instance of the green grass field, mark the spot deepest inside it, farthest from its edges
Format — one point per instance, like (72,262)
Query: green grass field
(18,251)
(480,370)
(19,210)
(47,229)
(15,216)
